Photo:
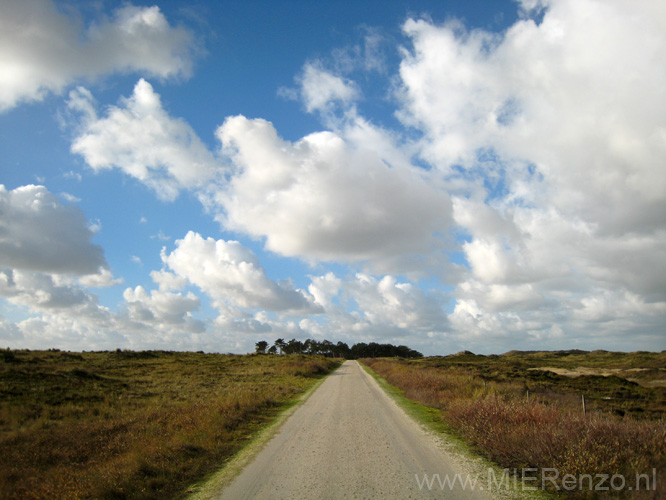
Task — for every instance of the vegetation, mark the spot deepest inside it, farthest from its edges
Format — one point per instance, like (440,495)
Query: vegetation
(518,412)
(339,350)
(134,425)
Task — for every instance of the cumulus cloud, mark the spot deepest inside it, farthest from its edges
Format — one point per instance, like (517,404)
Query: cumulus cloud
(576,100)
(320,89)
(551,136)
(231,274)
(10,331)
(326,196)
(325,288)
(142,140)
(44,50)
(41,291)
(167,281)
(370,308)
(389,302)
(38,233)
(102,279)
(66,316)
(162,310)
(345,195)
(540,147)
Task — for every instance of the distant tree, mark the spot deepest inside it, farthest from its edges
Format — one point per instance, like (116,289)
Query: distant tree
(294,347)
(326,348)
(342,350)
(260,347)
(375,350)
(310,346)
(280,344)
(360,350)
(405,352)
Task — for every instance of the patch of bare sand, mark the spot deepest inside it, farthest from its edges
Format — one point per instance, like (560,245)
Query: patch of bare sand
(604,372)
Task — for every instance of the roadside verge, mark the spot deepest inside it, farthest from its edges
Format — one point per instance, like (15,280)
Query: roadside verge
(212,487)
(458,451)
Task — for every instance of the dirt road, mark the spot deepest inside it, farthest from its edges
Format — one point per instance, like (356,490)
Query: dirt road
(348,440)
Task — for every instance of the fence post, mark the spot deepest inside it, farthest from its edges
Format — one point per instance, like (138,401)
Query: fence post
(527,395)
(582,397)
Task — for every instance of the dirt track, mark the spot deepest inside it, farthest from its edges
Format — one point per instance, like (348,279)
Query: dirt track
(348,440)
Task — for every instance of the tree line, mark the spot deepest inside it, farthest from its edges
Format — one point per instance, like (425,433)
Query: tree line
(338,350)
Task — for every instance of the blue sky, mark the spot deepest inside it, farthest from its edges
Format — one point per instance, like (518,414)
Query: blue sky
(481,175)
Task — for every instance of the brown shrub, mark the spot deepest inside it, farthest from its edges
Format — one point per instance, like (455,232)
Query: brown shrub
(496,419)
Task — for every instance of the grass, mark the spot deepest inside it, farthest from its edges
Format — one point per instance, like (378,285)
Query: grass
(213,485)
(134,425)
(484,400)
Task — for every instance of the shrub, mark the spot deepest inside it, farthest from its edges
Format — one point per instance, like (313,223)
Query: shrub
(496,419)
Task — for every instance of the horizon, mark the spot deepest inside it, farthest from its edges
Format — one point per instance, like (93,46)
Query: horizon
(468,175)
(459,353)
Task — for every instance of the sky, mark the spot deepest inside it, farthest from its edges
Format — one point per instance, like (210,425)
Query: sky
(481,175)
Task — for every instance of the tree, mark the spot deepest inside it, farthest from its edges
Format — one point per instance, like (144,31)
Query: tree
(260,347)
(342,350)
(272,350)
(310,346)
(280,344)
(294,347)
(326,348)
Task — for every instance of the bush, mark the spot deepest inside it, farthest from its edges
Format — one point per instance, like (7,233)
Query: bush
(498,421)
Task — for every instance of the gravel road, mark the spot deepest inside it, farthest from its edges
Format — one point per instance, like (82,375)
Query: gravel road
(348,440)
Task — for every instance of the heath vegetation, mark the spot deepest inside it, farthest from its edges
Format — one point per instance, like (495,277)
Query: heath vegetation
(134,425)
(602,414)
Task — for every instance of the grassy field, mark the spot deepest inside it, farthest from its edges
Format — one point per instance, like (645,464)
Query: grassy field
(134,425)
(525,411)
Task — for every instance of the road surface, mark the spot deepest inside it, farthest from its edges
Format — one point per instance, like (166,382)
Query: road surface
(348,440)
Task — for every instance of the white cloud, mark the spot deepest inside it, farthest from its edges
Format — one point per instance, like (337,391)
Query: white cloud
(143,141)
(345,195)
(70,198)
(73,175)
(578,99)
(10,331)
(160,236)
(542,147)
(66,316)
(44,292)
(376,309)
(43,50)
(552,137)
(104,278)
(236,323)
(167,281)
(325,288)
(388,302)
(66,332)
(38,233)
(231,274)
(162,310)
(328,196)
(320,89)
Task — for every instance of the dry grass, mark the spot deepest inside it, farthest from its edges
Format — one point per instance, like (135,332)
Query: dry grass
(125,425)
(493,414)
